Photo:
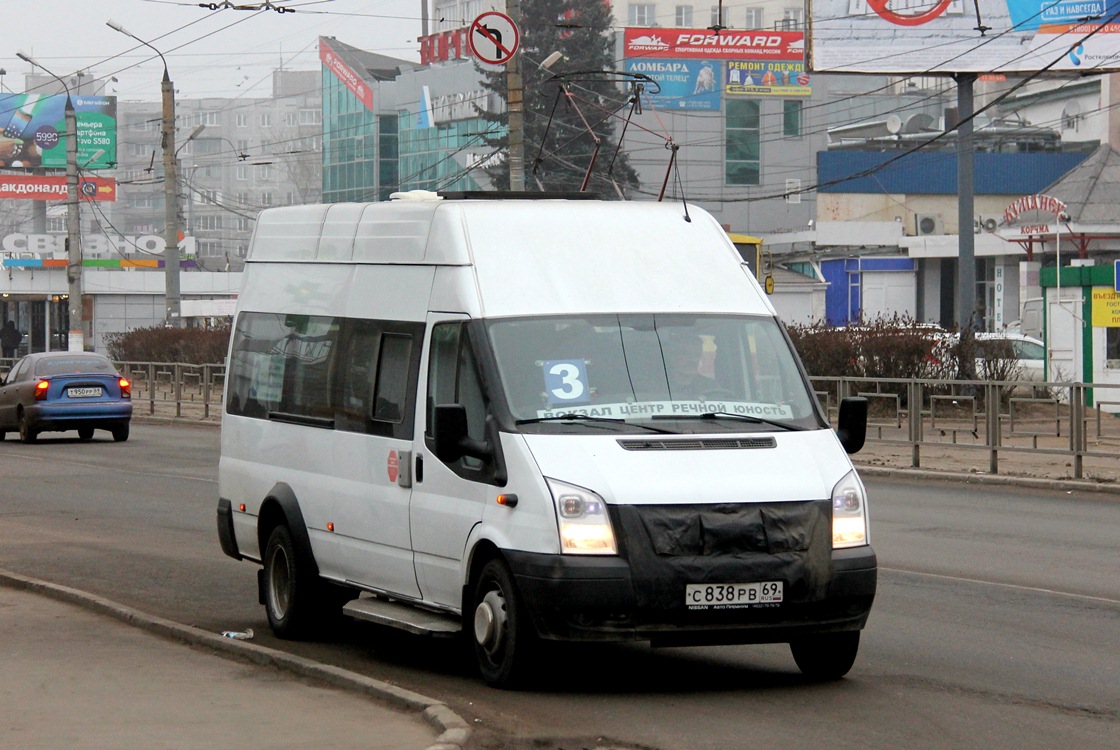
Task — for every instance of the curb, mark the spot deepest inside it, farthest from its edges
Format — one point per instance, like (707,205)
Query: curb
(176,421)
(1067,485)
(453,731)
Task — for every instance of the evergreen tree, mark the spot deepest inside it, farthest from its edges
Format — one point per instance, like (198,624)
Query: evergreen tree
(580,31)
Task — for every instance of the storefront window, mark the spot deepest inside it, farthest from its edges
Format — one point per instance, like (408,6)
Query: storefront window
(1112,347)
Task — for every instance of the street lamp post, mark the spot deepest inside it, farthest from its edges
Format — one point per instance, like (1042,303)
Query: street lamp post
(76,338)
(170,189)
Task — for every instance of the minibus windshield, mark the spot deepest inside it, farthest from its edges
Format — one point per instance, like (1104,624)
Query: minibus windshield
(640,368)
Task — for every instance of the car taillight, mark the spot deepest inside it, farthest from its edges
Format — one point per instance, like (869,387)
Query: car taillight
(126,388)
(41,390)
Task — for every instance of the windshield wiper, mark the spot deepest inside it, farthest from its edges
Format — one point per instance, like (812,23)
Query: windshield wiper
(728,415)
(573,417)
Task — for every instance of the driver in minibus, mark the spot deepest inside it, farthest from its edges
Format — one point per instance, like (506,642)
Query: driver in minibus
(683,352)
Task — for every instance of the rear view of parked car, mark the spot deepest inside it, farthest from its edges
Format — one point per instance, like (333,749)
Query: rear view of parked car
(60,391)
(1010,356)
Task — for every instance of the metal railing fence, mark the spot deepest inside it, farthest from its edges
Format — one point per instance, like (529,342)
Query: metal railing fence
(176,389)
(1078,421)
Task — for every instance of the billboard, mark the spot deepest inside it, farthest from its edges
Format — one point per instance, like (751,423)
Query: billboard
(345,74)
(34,133)
(917,37)
(50,188)
(693,66)
(683,84)
(703,44)
(766,78)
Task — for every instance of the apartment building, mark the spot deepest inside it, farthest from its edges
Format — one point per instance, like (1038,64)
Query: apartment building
(236,156)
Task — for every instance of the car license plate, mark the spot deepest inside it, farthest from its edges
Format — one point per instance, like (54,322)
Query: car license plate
(733,595)
(83,392)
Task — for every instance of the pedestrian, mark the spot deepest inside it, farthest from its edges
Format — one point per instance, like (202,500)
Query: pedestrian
(10,339)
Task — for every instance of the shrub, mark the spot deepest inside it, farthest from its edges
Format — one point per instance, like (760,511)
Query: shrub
(895,347)
(900,348)
(159,344)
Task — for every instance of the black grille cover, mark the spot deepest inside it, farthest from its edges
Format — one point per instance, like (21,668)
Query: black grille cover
(669,546)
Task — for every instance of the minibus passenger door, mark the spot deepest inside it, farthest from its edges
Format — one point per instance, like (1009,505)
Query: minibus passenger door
(367,480)
(448,496)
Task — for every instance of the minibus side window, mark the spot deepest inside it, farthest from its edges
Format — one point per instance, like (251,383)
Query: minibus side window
(281,365)
(453,379)
(374,375)
(256,365)
(355,375)
(307,358)
(355,378)
(391,393)
(442,368)
(470,396)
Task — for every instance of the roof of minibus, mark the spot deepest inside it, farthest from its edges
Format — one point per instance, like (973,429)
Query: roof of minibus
(530,255)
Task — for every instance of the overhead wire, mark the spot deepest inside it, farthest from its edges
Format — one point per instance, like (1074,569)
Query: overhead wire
(460,149)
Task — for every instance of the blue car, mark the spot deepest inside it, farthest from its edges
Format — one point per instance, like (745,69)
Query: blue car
(59,391)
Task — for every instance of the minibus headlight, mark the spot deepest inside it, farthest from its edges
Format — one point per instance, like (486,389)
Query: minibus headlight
(581,516)
(849,513)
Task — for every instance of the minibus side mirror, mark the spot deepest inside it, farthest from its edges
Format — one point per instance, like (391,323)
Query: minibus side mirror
(451,439)
(851,427)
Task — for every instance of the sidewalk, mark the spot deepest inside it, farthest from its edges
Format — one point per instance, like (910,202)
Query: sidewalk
(971,463)
(73,677)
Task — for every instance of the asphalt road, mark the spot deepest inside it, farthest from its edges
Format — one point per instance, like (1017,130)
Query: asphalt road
(997,622)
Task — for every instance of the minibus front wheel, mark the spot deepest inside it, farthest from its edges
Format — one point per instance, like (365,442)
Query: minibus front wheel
(502,634)
(827,656)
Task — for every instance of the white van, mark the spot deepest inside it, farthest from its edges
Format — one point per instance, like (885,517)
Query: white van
(530,420)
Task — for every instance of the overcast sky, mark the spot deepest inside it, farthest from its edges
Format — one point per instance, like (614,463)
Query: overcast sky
(209,52)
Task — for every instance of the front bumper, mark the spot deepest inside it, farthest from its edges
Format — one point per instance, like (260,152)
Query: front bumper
(640,594)
(576,598)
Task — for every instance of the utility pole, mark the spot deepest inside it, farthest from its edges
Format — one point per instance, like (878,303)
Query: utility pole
(967,319)
(77,333)
(170,190)
(170,206)
(515,108)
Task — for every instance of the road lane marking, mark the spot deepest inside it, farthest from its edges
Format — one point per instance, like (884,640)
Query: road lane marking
(1019,587)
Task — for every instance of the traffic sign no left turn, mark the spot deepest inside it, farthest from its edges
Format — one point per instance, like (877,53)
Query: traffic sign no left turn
(494,38)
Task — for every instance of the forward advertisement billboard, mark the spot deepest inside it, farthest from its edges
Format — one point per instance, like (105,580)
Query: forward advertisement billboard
(917,37)
(694,67)
(34,131)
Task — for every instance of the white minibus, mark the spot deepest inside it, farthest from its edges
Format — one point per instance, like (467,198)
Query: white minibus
(521,420)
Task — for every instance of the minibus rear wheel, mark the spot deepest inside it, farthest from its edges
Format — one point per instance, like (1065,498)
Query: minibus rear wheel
(828,656)
(502,634)
(289,589)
